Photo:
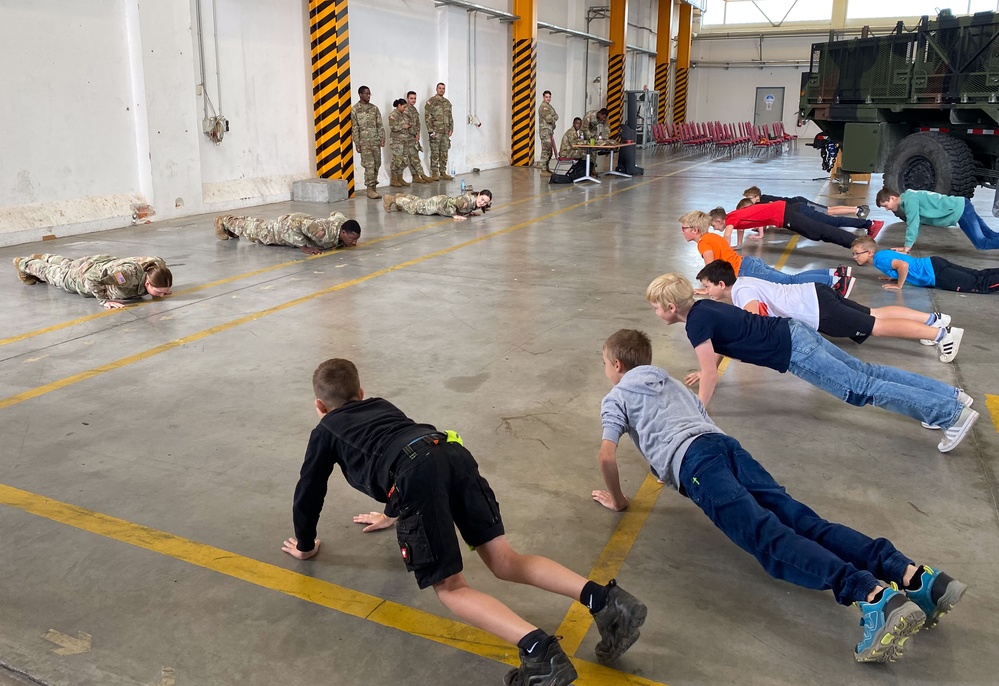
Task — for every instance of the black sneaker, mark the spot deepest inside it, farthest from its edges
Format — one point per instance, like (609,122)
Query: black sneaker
(863,211)
(547,666)
(618,623)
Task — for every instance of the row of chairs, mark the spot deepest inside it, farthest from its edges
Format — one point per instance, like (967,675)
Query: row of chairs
(717,138)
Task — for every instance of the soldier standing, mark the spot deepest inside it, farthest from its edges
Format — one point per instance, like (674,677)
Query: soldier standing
(459,208)
(109,279)
(547,116)
(369,138)
(440,126)
(414,148)
(400,136)
(298,230)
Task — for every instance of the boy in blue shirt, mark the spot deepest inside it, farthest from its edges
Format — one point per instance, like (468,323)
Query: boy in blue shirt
(672,430)
(927,207)
(929,272)
(717,329)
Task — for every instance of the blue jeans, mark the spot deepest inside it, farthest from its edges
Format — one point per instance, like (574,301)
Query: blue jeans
(758,269)
(787,538)
(822,364)
(975,228)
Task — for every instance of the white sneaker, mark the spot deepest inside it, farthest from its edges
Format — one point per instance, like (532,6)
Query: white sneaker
(962,398)
(955,434)
(950,344)
(942,322)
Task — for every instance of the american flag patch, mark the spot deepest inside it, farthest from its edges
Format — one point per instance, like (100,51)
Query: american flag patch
(119,277)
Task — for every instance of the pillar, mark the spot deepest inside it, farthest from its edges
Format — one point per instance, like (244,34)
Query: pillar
(524,88)
(331,90)
(616,52)
(664,44)
(683,37)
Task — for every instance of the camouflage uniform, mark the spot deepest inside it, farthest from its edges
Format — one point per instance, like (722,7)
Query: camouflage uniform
(439,204)
(368,134)
(566,148)
(103,277)
(547,116)
(413,148)
(439,125)
(297,230)
(400,138)
(594,128)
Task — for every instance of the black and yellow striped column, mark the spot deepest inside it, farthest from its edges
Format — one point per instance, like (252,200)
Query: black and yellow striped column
(525,83)
(331,90)
(683,37)
(664,43)
(615,64)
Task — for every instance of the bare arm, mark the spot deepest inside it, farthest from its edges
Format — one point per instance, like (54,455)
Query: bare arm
(613,498)
(902,267)
(753,306)
(708,376)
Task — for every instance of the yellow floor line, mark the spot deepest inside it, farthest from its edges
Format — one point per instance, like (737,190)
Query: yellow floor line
(992,403)
(361,605)
(124,362)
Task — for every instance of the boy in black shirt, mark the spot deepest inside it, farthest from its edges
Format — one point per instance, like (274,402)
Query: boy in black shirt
(717,329)
(431,484)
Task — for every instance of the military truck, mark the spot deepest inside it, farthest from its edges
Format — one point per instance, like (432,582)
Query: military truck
(919,105)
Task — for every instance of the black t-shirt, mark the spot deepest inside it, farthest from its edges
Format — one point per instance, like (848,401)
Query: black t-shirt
(365,438)
(764,341)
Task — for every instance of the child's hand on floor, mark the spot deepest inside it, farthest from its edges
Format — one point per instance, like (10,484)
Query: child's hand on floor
(607,500)
(375,521)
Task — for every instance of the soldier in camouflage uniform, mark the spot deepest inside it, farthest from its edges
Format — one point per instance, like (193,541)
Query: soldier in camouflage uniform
(459,208)
(440,126)
(298,230)
(574,135)
(399,137)
(547,116)
(109,279)
(595,126)
(369,138)
(414,148)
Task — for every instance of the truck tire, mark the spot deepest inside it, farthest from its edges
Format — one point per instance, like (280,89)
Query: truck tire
(932,161)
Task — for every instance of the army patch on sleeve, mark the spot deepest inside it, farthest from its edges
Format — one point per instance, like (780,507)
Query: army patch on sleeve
(119,277)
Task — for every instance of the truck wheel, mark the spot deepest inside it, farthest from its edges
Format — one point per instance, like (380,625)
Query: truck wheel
(932,161)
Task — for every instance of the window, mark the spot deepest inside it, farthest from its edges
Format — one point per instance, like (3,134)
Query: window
(772,12)
(895,9)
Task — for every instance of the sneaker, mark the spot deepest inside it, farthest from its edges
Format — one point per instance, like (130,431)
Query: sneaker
(843,272)
(942,322)
(950,344)
(24,276)
(955,434)
(888,624)
(937,595)
(962,398)
(618,623)
(875,229)
(845,286)
(222,233)
(863,211)
(549,666)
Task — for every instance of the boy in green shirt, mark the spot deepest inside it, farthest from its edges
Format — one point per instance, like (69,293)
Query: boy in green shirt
(927,207)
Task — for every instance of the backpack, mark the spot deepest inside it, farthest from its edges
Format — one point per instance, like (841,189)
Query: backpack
(577,171)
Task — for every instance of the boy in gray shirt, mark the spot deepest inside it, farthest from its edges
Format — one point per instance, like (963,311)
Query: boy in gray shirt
(672,430)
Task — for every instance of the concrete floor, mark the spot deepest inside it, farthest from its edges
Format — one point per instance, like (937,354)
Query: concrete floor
(183,423)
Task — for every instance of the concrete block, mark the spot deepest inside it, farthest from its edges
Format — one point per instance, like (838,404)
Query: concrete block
(319,190)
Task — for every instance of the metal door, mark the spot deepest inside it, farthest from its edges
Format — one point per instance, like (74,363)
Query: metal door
(769,105)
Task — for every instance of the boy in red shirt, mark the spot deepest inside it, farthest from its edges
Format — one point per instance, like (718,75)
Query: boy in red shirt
(794,217)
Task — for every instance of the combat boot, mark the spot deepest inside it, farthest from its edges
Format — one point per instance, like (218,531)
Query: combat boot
(24,276)
(372,193)
(446,176)
(545,171)
(420,178)
(394,181)
(402,179)
(222,233)
(435,177)
(388,202)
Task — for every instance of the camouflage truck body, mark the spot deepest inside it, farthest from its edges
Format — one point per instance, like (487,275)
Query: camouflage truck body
(919,105)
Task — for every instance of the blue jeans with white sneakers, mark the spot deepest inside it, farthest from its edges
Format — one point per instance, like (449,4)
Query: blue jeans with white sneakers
(822,364)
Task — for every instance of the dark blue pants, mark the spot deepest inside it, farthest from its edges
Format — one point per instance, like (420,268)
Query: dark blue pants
(787,538)
(975,228)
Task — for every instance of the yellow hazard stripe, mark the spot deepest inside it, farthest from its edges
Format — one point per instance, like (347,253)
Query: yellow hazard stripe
(680,96)
(662,85)
(328,30)
(524,92)
(615,92)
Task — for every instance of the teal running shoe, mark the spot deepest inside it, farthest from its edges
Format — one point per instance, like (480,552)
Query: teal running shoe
(888,624)
(937,595)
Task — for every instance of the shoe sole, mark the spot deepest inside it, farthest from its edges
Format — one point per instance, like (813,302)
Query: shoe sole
(629,634)
(560,677)
(900,626)
(950,598)
(961,436)
(25,277)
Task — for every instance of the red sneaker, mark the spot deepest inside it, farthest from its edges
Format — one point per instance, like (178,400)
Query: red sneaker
(875,229)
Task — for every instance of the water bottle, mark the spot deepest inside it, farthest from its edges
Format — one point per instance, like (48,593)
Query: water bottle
(463,185)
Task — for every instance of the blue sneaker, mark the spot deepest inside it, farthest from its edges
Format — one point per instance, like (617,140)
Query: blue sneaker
(937,595)
(888,624)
